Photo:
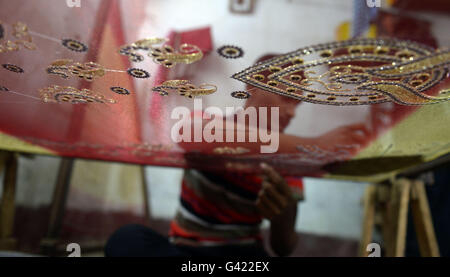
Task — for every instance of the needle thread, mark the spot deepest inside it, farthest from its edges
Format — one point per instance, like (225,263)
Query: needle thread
(45,36)
(114,70)
(18,93)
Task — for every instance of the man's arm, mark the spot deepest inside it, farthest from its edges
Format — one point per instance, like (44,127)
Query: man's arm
(355,134)
(276,203)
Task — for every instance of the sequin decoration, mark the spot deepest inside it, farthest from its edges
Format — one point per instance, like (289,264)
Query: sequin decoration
(74,45)
(240,94)
(13,68)
(230,150)
(313,153)
(354,72)
(60,94)
(22,38)
(120,90)
(138,73)
(147,150)
(131,50)
(168,57)
(184,88)
(230,52)
(66,67)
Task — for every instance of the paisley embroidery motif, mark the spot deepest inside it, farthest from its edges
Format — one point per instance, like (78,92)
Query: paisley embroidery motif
(354,72)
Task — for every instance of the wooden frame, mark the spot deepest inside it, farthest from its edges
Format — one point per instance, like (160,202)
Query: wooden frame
(8,162)
(392,202)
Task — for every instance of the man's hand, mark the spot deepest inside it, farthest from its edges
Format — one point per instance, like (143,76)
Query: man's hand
(356,134)
(276,203)
(275,197)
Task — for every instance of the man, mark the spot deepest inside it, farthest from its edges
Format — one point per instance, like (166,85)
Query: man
(221,212)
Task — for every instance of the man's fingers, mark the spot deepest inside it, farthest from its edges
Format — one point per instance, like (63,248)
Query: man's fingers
(264,210)
(274,195)
(273,176)
(270,204)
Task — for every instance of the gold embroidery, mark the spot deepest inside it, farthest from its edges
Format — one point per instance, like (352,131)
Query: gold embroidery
(313,153)
(131,50)
(146,149)
(166,55)
(354,72)
(59,94)
(414,66)
(184,88)
(87,71)
(402,93)
(230,150)
(22,38)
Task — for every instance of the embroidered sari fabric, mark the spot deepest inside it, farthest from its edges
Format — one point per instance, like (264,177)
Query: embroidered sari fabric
(102,81)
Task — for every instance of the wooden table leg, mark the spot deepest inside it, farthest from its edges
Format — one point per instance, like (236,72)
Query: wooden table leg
(423,222)
(7,206)
(384,210)
(145,191)
(49,243)
(368,220)
(390,221)
(401,191)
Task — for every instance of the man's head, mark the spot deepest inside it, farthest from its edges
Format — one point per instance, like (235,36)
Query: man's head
(261,98)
